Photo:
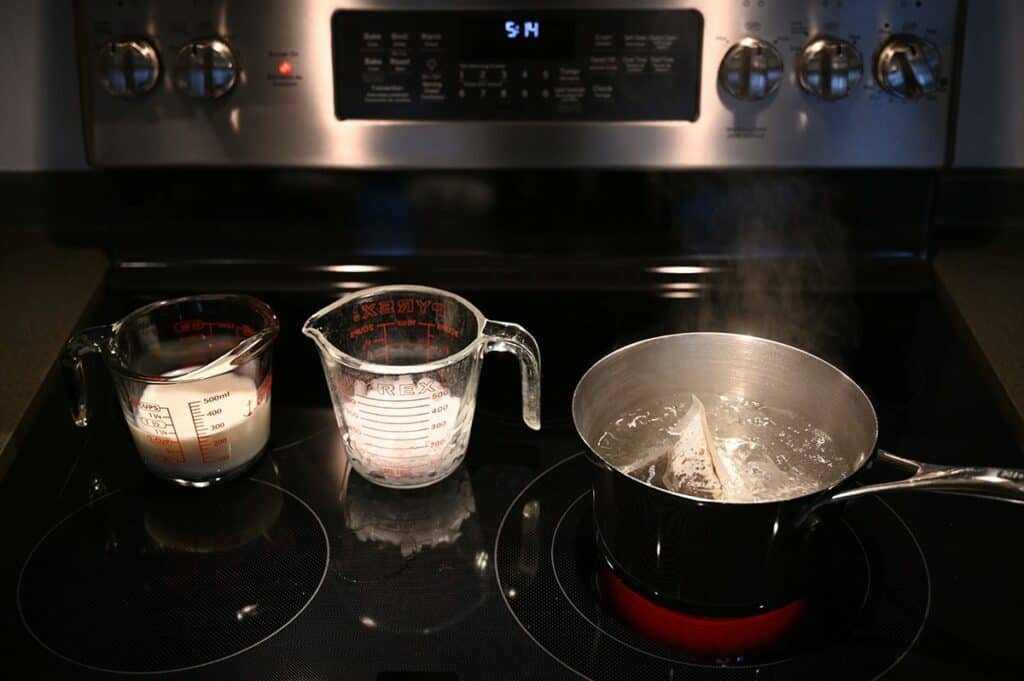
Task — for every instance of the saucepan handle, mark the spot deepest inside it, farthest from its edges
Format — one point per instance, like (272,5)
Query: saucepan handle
(1006,484)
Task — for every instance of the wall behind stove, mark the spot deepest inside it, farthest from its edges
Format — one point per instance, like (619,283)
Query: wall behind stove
(40,118)
(989,130)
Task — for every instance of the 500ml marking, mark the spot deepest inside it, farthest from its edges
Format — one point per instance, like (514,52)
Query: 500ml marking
(158,419)
(206,436)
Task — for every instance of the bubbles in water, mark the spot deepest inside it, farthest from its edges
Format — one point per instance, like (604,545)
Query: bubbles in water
(762,453)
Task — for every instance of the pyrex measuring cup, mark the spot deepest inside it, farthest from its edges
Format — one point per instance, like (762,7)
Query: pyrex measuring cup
(193,377)
(402,365)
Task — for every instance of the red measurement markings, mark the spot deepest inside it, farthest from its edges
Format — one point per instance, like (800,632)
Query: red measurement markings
(405,461)
(450,330)
(397,306)
(263,392)
(380,337)
(206,440)
(371,341)
(385,307)
(394,344)
(204,327)
(159,419)
(394,472)
(360,331)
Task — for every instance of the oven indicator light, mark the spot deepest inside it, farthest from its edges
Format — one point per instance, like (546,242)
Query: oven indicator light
(285,68)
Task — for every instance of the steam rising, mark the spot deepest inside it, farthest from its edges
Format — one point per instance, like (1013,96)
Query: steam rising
(790,254)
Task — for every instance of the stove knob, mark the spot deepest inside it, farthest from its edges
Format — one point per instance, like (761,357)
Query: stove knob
(128,68)
(751,70)
(830,68)
(206,69)
(908,66)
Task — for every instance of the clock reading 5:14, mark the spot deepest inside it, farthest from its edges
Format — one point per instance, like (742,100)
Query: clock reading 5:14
(524,29)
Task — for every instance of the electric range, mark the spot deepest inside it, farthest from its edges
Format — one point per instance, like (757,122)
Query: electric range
(303,570)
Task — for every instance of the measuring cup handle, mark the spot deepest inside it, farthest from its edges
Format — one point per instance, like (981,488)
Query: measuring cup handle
(505,337)
(84,343)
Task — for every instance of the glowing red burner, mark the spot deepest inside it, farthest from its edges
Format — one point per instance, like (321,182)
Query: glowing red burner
(711,636)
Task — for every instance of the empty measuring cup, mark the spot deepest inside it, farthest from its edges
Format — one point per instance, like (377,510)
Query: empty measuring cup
(402,365)
(193,377)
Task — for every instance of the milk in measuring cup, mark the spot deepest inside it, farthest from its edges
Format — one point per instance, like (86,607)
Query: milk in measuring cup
(403,428)
(201,428)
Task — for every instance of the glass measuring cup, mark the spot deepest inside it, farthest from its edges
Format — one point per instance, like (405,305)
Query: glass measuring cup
(193,378)
(402,365)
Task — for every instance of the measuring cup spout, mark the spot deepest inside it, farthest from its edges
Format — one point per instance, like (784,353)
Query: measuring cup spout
(312,329)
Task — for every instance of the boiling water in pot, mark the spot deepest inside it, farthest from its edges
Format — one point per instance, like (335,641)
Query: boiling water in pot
(759,453)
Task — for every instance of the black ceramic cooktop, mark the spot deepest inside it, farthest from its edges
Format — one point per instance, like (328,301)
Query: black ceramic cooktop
(301,571)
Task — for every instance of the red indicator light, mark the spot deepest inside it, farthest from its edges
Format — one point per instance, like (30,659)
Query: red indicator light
(285,68)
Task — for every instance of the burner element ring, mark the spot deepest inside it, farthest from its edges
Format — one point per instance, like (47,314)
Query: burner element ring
(205,585)
(559,606)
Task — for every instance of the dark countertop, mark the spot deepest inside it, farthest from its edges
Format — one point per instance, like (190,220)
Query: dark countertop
(45,292)
(985,286)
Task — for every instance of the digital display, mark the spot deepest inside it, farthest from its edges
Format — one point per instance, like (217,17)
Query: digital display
(515,30)
(518,37)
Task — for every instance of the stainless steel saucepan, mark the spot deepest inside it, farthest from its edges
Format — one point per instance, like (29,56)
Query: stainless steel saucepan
(730,557)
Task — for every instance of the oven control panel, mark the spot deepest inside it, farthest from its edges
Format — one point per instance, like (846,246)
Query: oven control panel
(527,84)
(526,65)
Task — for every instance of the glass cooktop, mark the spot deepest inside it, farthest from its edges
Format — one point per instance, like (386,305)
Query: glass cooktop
(303,570)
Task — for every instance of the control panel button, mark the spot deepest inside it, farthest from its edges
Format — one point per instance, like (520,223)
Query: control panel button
(128,68)
(830,68)
(206,69)
(908,67)
(751,70)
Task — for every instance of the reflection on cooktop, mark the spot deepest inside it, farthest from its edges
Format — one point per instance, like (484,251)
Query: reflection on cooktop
(424,544)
